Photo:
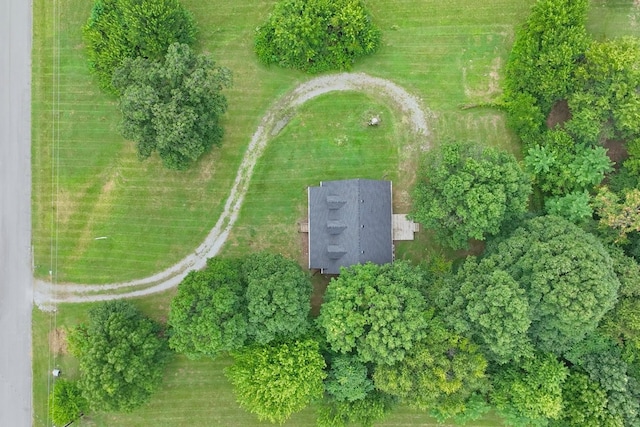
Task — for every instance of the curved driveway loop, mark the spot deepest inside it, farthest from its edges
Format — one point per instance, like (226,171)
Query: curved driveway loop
(272,123)
(16,296)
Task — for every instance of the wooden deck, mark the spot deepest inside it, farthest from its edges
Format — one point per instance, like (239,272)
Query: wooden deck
(403,228)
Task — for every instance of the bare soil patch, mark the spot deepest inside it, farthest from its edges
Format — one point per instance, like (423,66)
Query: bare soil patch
(320,283)
(476,248)
(560,113)
(58,341)
(617,151)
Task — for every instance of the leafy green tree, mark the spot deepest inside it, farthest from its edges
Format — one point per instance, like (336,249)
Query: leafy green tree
(486,303)
(316,35)
(468,192)
(530,393)
(566,274)
(208,314)
(585,404)
(275,381)
(122,354)
(172,107)
(562,167)
(440,373)
(278,298)
(632,164)
(364,412)
(66,403)
(348,379)
(546,52)
(622,216)
(602,360)
(120,29)
(374,311)
(608,79)
(573,206)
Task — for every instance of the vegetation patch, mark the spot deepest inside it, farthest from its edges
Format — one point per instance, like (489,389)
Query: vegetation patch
(316,35)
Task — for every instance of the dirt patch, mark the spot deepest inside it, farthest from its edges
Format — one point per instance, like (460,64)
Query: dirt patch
(304,243)
(320,283)
(617,151)
(65,206)
(560,113)
(476,248)
(58,341)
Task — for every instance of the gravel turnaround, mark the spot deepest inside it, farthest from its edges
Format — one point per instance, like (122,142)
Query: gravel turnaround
(46,294)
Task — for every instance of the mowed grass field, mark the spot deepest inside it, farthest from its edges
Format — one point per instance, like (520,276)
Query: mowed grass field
(88,183)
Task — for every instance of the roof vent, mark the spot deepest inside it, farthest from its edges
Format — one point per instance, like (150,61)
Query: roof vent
(335,202)
(335,227)
(335,251)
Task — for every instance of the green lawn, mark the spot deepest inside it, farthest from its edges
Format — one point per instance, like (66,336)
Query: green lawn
(447,55)
(88,183)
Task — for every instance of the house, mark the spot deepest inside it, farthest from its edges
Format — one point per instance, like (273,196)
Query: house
(352,222)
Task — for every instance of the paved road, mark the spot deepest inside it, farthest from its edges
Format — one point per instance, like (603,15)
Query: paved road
(15,214)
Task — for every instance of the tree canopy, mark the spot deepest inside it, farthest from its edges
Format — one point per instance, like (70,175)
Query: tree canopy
(278,298)
(375,311)
(348,379)
(208,313)
(66,403)
(468,192)
(440,373)
(584,404)
(316,35)
(608,80)
(277,380)
(530,393)
(122,354)
(486,303)
(545,286)
(544,57)
(172,107)
(119,29)
(567,276)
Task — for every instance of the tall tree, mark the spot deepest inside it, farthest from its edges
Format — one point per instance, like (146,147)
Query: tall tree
(348,379)
(602,359)
(275,381)
(122,354)
(567,275)
(468,192)
(530,393)
(374,311)
(66,403)
(585,404)
(364,412)
(278,298)
(120,29)
(546,52)
(485,302)
(172,107)
(316,35)
(208,314)
(440,373)
(621,216)
(608,80)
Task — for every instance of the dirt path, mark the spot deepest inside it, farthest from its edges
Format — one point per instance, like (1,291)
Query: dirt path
(276,118)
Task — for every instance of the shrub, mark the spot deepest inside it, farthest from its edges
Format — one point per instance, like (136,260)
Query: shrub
(316,35)
(119,29)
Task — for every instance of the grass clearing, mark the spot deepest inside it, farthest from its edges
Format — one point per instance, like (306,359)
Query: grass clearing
(449,54)
(152,217)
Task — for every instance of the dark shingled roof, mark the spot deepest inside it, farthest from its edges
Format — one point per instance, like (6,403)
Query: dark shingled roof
(349,223)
